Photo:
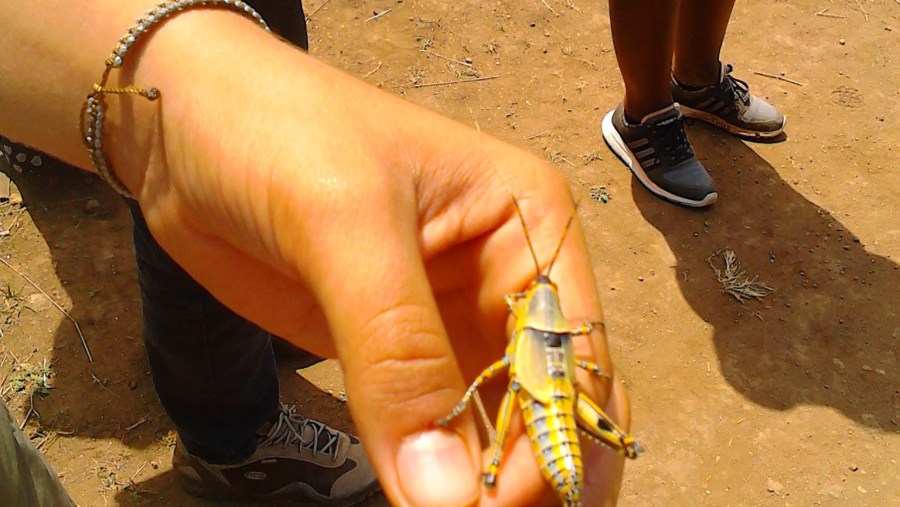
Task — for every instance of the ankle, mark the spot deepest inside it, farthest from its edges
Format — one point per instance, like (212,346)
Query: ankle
(697,77)
(636,113)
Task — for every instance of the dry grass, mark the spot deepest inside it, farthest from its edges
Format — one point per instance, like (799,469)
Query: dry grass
(735,281)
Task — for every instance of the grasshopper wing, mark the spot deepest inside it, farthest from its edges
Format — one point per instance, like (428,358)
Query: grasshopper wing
(541,356)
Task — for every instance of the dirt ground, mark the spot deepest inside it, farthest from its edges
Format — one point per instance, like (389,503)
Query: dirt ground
(791,400)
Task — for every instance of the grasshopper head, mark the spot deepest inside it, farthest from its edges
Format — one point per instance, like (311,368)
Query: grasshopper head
(542,307)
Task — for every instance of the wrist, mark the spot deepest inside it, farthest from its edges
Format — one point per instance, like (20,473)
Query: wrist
(177,58)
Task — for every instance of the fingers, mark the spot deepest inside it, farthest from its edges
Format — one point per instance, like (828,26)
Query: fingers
(401,373)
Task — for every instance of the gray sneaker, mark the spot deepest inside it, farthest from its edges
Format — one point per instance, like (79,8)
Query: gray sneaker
(297,461)
(730,105)
(658,152)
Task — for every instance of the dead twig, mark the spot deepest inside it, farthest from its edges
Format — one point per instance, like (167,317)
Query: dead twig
(380,14)
(539,134)
(824,13)
(564,159)
(557,30)
(140,421)
(780,78)
(430,52)
(47,440)
(861,9)
(548,6)
(572,6)
(474,119)
(31,410)
(84,344)
(139,470)
(317,9)
(734,279)
(8,230)
(374,70)
(455,81)
(100,383)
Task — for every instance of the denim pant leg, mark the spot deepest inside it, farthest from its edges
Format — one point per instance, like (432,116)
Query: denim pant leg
(214,371)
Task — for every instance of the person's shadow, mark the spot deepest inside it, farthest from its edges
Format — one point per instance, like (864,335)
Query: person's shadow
(827,335)
(87,229)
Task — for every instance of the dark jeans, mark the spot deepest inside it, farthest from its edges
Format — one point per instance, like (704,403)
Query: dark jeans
(214,371)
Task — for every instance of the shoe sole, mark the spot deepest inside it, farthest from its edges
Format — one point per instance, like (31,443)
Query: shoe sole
(731,128)
(225,493)
(618,146)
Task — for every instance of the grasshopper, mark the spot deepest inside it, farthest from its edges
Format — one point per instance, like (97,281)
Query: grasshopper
(541,361)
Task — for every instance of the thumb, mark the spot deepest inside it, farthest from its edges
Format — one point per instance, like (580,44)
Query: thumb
(401,374)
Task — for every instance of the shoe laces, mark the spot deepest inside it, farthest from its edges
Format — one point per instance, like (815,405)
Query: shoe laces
(737,88)
(292,428)
(673,141)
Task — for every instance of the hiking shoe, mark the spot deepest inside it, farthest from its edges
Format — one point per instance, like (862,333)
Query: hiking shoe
(729,105)
(297,461)
(658,152)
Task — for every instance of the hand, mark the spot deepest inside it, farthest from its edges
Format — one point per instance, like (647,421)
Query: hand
(358,225)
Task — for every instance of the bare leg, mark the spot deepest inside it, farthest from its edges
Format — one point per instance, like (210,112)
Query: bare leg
(643,33)
(698,40)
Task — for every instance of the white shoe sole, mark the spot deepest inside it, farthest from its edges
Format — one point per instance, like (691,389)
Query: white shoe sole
(620,148)
(733,129)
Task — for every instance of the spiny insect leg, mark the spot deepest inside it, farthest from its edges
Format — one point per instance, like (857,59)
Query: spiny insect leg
(486,375)
(587,328)
(503,418)
(512,299)
(592,368)
(594,422)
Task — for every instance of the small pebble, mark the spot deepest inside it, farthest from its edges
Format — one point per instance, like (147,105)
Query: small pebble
(842,42)
(91,205)
(853,468)
(773,486)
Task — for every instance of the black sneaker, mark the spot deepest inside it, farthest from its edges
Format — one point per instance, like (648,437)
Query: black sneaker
(658,152)
(297,460)
(729,105)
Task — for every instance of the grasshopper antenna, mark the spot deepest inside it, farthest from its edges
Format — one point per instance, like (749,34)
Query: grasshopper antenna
(537,266)
(563,238)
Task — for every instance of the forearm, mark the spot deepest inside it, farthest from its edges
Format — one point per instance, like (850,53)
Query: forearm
(53,52)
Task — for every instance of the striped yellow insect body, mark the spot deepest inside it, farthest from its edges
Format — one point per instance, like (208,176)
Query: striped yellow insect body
(541,361)
(553,434)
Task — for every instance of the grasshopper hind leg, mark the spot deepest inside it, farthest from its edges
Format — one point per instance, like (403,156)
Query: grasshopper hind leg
(486,375)
(592,368)
(503,418)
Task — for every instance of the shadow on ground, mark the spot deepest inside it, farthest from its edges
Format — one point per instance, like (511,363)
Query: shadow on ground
(828,335)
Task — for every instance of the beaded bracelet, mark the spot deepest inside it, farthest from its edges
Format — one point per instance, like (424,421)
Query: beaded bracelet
(94,108)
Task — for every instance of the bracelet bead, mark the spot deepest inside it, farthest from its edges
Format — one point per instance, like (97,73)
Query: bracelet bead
(94,108)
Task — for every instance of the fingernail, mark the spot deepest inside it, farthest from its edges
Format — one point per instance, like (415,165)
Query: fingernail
(436,470)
